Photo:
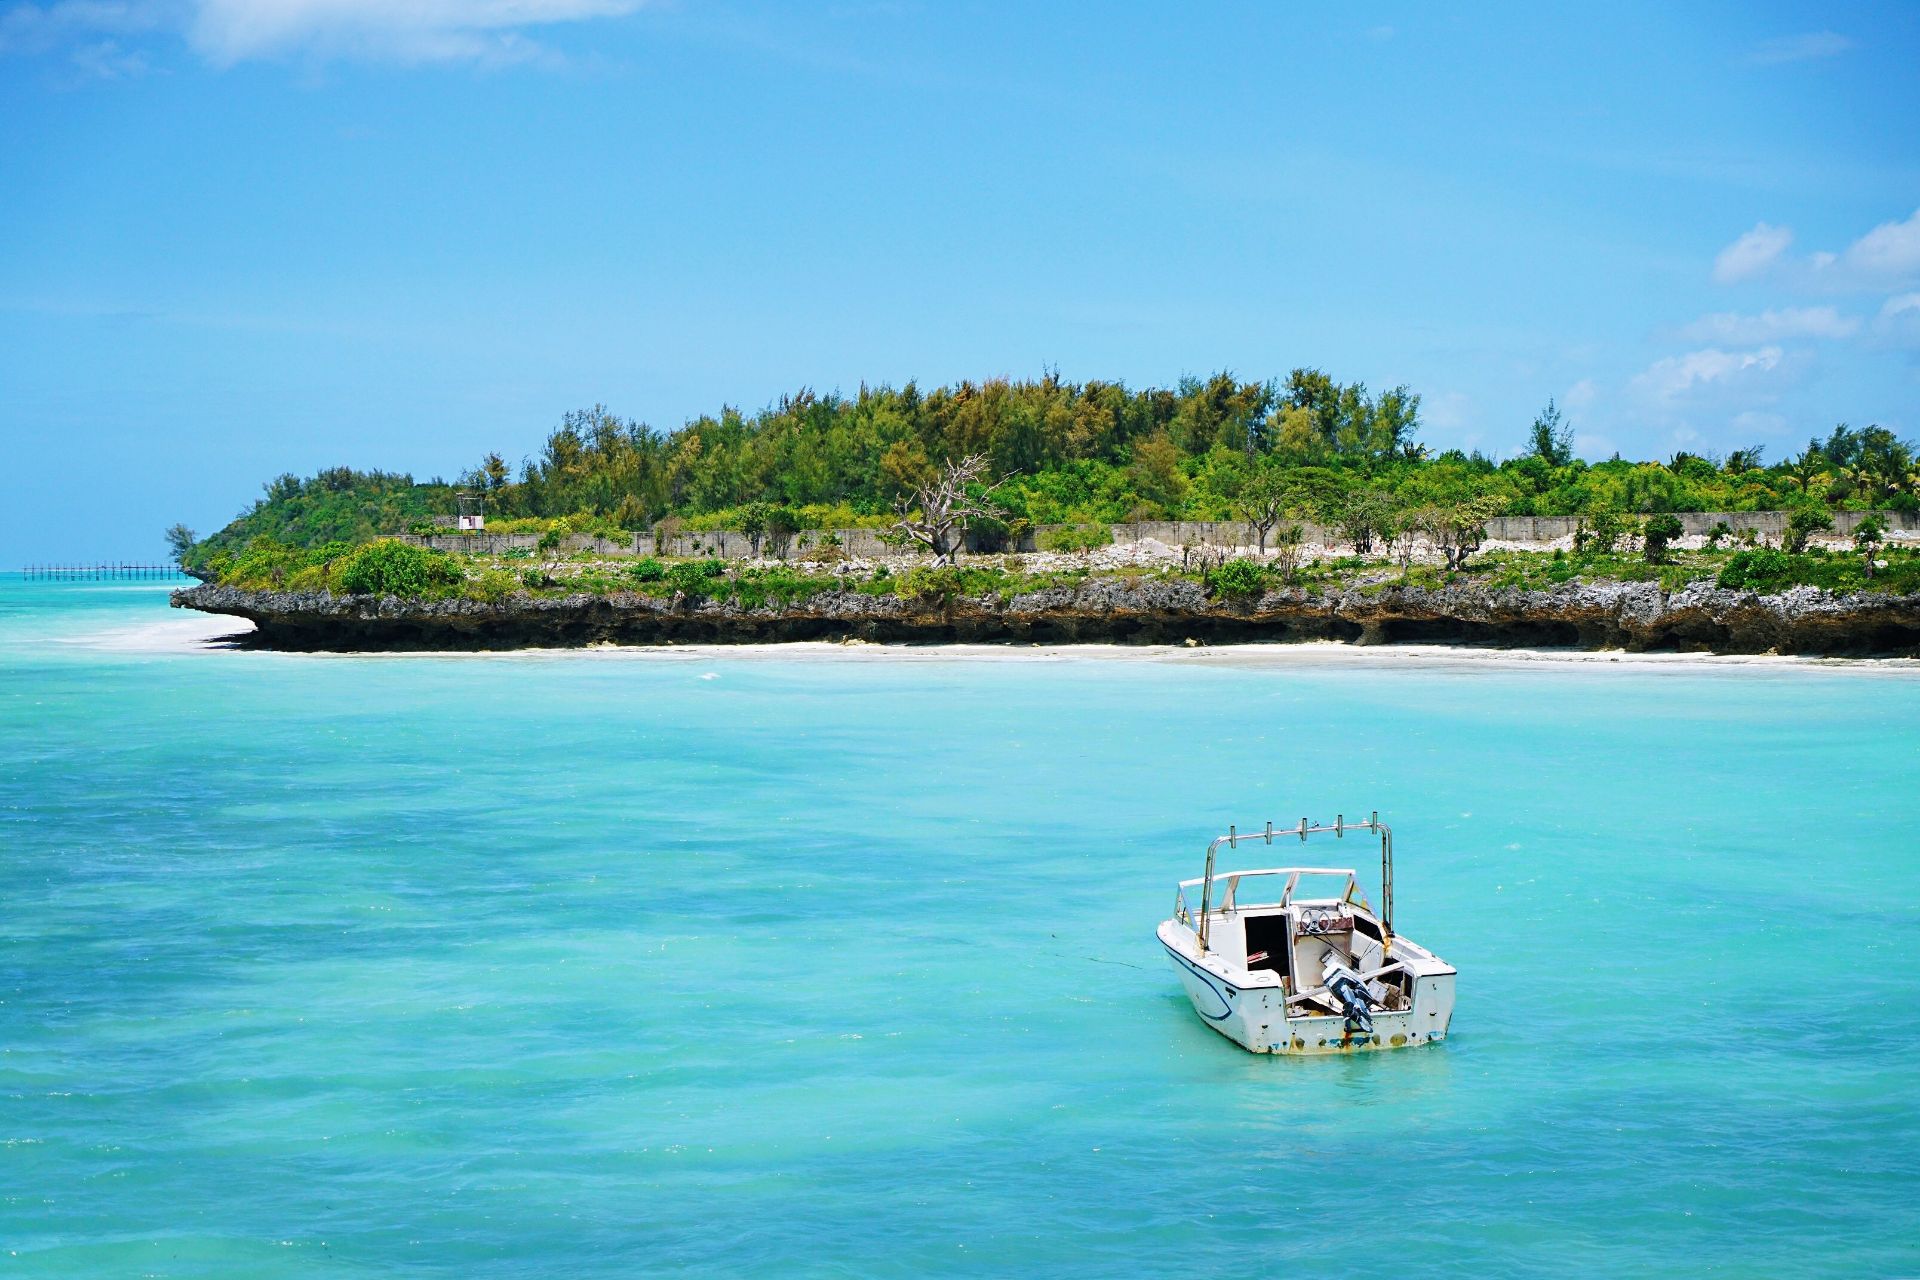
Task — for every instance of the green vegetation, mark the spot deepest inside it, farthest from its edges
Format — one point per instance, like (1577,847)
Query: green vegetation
(1275,453)
(338,505)
(1077,537)
(389,568)
(1238,579)
(1658,532)
(393,568)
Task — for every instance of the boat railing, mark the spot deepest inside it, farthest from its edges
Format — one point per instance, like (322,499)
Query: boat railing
(1338,828)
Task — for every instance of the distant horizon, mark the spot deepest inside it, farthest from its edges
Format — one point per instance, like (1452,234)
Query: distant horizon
(251,239)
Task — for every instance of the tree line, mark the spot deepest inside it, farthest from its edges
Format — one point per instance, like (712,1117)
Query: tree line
(1059,452)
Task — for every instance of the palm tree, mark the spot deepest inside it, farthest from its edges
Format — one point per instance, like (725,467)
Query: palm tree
(1809,464)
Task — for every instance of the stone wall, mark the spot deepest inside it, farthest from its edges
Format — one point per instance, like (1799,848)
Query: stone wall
(866,543)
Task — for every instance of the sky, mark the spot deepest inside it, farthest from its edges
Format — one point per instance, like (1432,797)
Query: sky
(240,238)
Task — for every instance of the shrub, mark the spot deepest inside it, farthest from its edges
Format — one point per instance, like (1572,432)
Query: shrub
(692,578)
(389,568)
(493,585)
(1801,525)
(1658,532)
(781,585)
(1759,570)
(1602,533)
(555,538)
(1238,579)
(782,524)
(931,584)
(647,569)
(666,534)
(1720,532)
(1076,537)
(264,563)
(988,534)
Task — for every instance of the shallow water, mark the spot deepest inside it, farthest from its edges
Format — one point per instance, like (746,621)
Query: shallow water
(605,964)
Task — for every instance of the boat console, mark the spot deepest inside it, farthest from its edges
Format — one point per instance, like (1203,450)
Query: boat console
(1272,953)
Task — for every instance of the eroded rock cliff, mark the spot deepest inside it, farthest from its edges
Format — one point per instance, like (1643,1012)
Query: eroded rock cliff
(1628,615)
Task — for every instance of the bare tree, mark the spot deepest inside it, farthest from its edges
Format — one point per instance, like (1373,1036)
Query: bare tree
(937,512)
(1287,541)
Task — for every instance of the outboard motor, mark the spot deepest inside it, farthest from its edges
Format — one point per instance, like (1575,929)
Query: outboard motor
(1346,987)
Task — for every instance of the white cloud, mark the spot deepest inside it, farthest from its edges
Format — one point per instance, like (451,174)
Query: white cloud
(1808,47)
(230,31)
(36,28)
(1899,321)
(1889,254)
(1676,376)
(1580,395)
(1771,325)
(225,32)
(1751,254)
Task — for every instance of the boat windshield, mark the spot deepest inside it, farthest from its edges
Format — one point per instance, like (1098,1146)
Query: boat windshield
(1269,887)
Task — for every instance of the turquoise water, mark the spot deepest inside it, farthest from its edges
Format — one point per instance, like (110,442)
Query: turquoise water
(705,963)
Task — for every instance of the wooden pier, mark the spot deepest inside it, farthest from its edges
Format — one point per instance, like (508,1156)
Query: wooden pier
(116,571)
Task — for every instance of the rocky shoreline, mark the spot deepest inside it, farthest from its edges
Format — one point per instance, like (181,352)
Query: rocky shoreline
(1635,616)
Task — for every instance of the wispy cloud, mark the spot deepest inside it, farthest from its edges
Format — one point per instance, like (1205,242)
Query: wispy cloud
(89,33)
(1810,46)
(230,31)
(1888,255)
(1898,323)
(1884,259)
(90,38)
(1674,377)
(1751,254)
(1771,325)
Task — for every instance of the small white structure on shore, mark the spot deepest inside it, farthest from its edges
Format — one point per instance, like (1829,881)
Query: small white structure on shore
(473,511)
(1289,973)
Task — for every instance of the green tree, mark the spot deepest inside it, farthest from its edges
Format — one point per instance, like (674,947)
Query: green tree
(1361,515)
(1551,438)
(1801,526)
(1866,538)
(1156,473)
(782,524)
(180,540)
(753,523)
(1263,499)
(1659,532)
(1458,528)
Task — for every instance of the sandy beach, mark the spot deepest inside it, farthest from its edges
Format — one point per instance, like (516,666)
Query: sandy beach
(196,633)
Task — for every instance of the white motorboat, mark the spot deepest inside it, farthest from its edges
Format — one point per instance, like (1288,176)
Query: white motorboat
(1295,960)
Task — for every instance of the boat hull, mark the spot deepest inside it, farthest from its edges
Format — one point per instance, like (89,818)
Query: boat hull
(1256,1017)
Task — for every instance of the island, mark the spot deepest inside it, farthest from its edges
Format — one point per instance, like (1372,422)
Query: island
(1044,511)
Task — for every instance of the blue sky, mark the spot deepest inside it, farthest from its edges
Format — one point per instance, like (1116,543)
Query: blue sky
(244,237)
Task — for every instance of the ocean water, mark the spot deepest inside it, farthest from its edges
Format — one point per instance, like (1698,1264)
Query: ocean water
(608,964)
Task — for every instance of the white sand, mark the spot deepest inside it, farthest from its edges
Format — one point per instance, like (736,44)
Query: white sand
(1306,655)
(190,632)
(181,632)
